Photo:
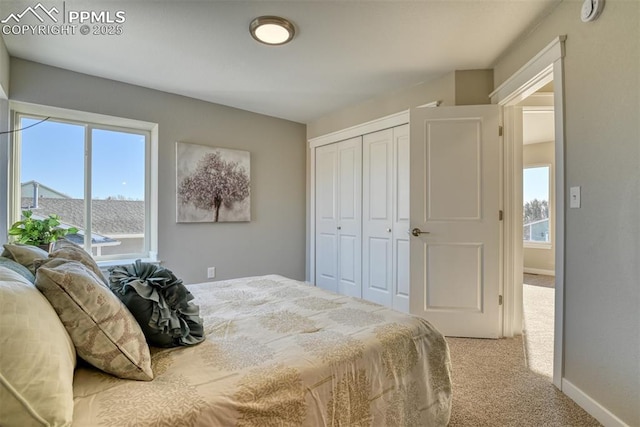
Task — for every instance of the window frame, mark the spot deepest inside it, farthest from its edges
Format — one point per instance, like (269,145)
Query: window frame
(533,244)
(90,122)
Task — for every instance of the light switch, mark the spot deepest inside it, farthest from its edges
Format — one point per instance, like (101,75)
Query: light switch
(574,197)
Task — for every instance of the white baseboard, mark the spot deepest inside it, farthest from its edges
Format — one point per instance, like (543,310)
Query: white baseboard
(539,271)
(587,403)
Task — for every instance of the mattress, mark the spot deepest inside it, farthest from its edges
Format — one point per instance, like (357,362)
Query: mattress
(279,352)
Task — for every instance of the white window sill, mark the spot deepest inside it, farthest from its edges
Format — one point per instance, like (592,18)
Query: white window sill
(105,265)
(532,245)
(115,262)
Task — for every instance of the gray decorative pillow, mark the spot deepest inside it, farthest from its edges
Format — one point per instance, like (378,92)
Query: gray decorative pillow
(18,268)
(24,254)
(102,329)
(159,302)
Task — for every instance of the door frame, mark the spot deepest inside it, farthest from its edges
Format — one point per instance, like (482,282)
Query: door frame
(392,120)
(543,68)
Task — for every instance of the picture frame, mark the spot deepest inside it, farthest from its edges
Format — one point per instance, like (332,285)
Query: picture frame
(212,184)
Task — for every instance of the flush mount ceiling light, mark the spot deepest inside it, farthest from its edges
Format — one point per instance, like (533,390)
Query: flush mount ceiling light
(272,30)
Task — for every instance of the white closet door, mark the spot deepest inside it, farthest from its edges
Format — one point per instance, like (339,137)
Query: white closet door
(349,217)
(326,193)
(377,219)
(338,217)
(400,265)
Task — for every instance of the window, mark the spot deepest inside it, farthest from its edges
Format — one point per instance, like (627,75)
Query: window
(95,176)
(536,222)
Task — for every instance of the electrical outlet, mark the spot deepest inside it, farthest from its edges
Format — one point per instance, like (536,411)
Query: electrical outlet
(211,272)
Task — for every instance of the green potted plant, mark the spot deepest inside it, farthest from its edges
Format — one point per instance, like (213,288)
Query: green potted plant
(39,232)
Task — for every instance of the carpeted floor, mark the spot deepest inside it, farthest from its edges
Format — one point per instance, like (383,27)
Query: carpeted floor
(538,306)
(507,382)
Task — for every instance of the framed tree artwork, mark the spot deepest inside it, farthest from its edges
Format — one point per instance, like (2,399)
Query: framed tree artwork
(212,184)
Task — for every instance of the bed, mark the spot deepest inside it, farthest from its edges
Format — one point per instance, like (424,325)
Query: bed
(281,352)
(276,352)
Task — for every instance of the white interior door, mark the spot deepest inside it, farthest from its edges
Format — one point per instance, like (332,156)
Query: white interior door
(455,203)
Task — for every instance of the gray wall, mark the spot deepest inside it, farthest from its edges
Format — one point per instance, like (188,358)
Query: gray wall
(473,86)
(442,89)
(4,70)
(274,240)
(462,87)
(602,277)
(4,138)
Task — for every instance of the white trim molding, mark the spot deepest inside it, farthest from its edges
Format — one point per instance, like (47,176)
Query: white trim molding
(531,76)
(536,245)
(590,405)
(386,122)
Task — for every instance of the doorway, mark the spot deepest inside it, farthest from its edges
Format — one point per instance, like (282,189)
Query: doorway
(546,66)
(538,229)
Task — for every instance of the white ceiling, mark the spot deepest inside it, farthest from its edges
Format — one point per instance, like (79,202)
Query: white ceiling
(345,52)
(538,125)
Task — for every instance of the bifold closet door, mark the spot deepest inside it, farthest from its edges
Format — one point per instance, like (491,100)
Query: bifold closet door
(385,221)
(401,223)
(338,209)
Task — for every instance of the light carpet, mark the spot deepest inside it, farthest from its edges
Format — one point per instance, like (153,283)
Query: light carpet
(507,382)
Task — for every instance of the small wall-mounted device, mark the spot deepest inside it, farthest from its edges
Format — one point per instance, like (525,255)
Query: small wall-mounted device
(574,197)
(591,9)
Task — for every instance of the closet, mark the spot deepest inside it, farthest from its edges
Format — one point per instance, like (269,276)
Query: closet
(362,217)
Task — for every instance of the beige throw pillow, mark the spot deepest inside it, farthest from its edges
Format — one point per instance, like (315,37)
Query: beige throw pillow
(66,249)
(37,358)
(103,330)
(24,254)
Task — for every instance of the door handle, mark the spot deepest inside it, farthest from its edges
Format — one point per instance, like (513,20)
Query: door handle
(417,232)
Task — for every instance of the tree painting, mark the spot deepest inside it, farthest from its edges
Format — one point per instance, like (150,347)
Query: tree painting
(212,184)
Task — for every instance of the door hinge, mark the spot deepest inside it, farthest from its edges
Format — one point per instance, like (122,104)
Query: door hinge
(500,215)
(499,130)
(499,299)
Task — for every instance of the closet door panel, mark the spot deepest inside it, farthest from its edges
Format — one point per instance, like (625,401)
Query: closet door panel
(378,256)
(401,275)
(326,263)
(348,274)
(350,217)
(401,156)
(326,210)
(377,221)
(377,167)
